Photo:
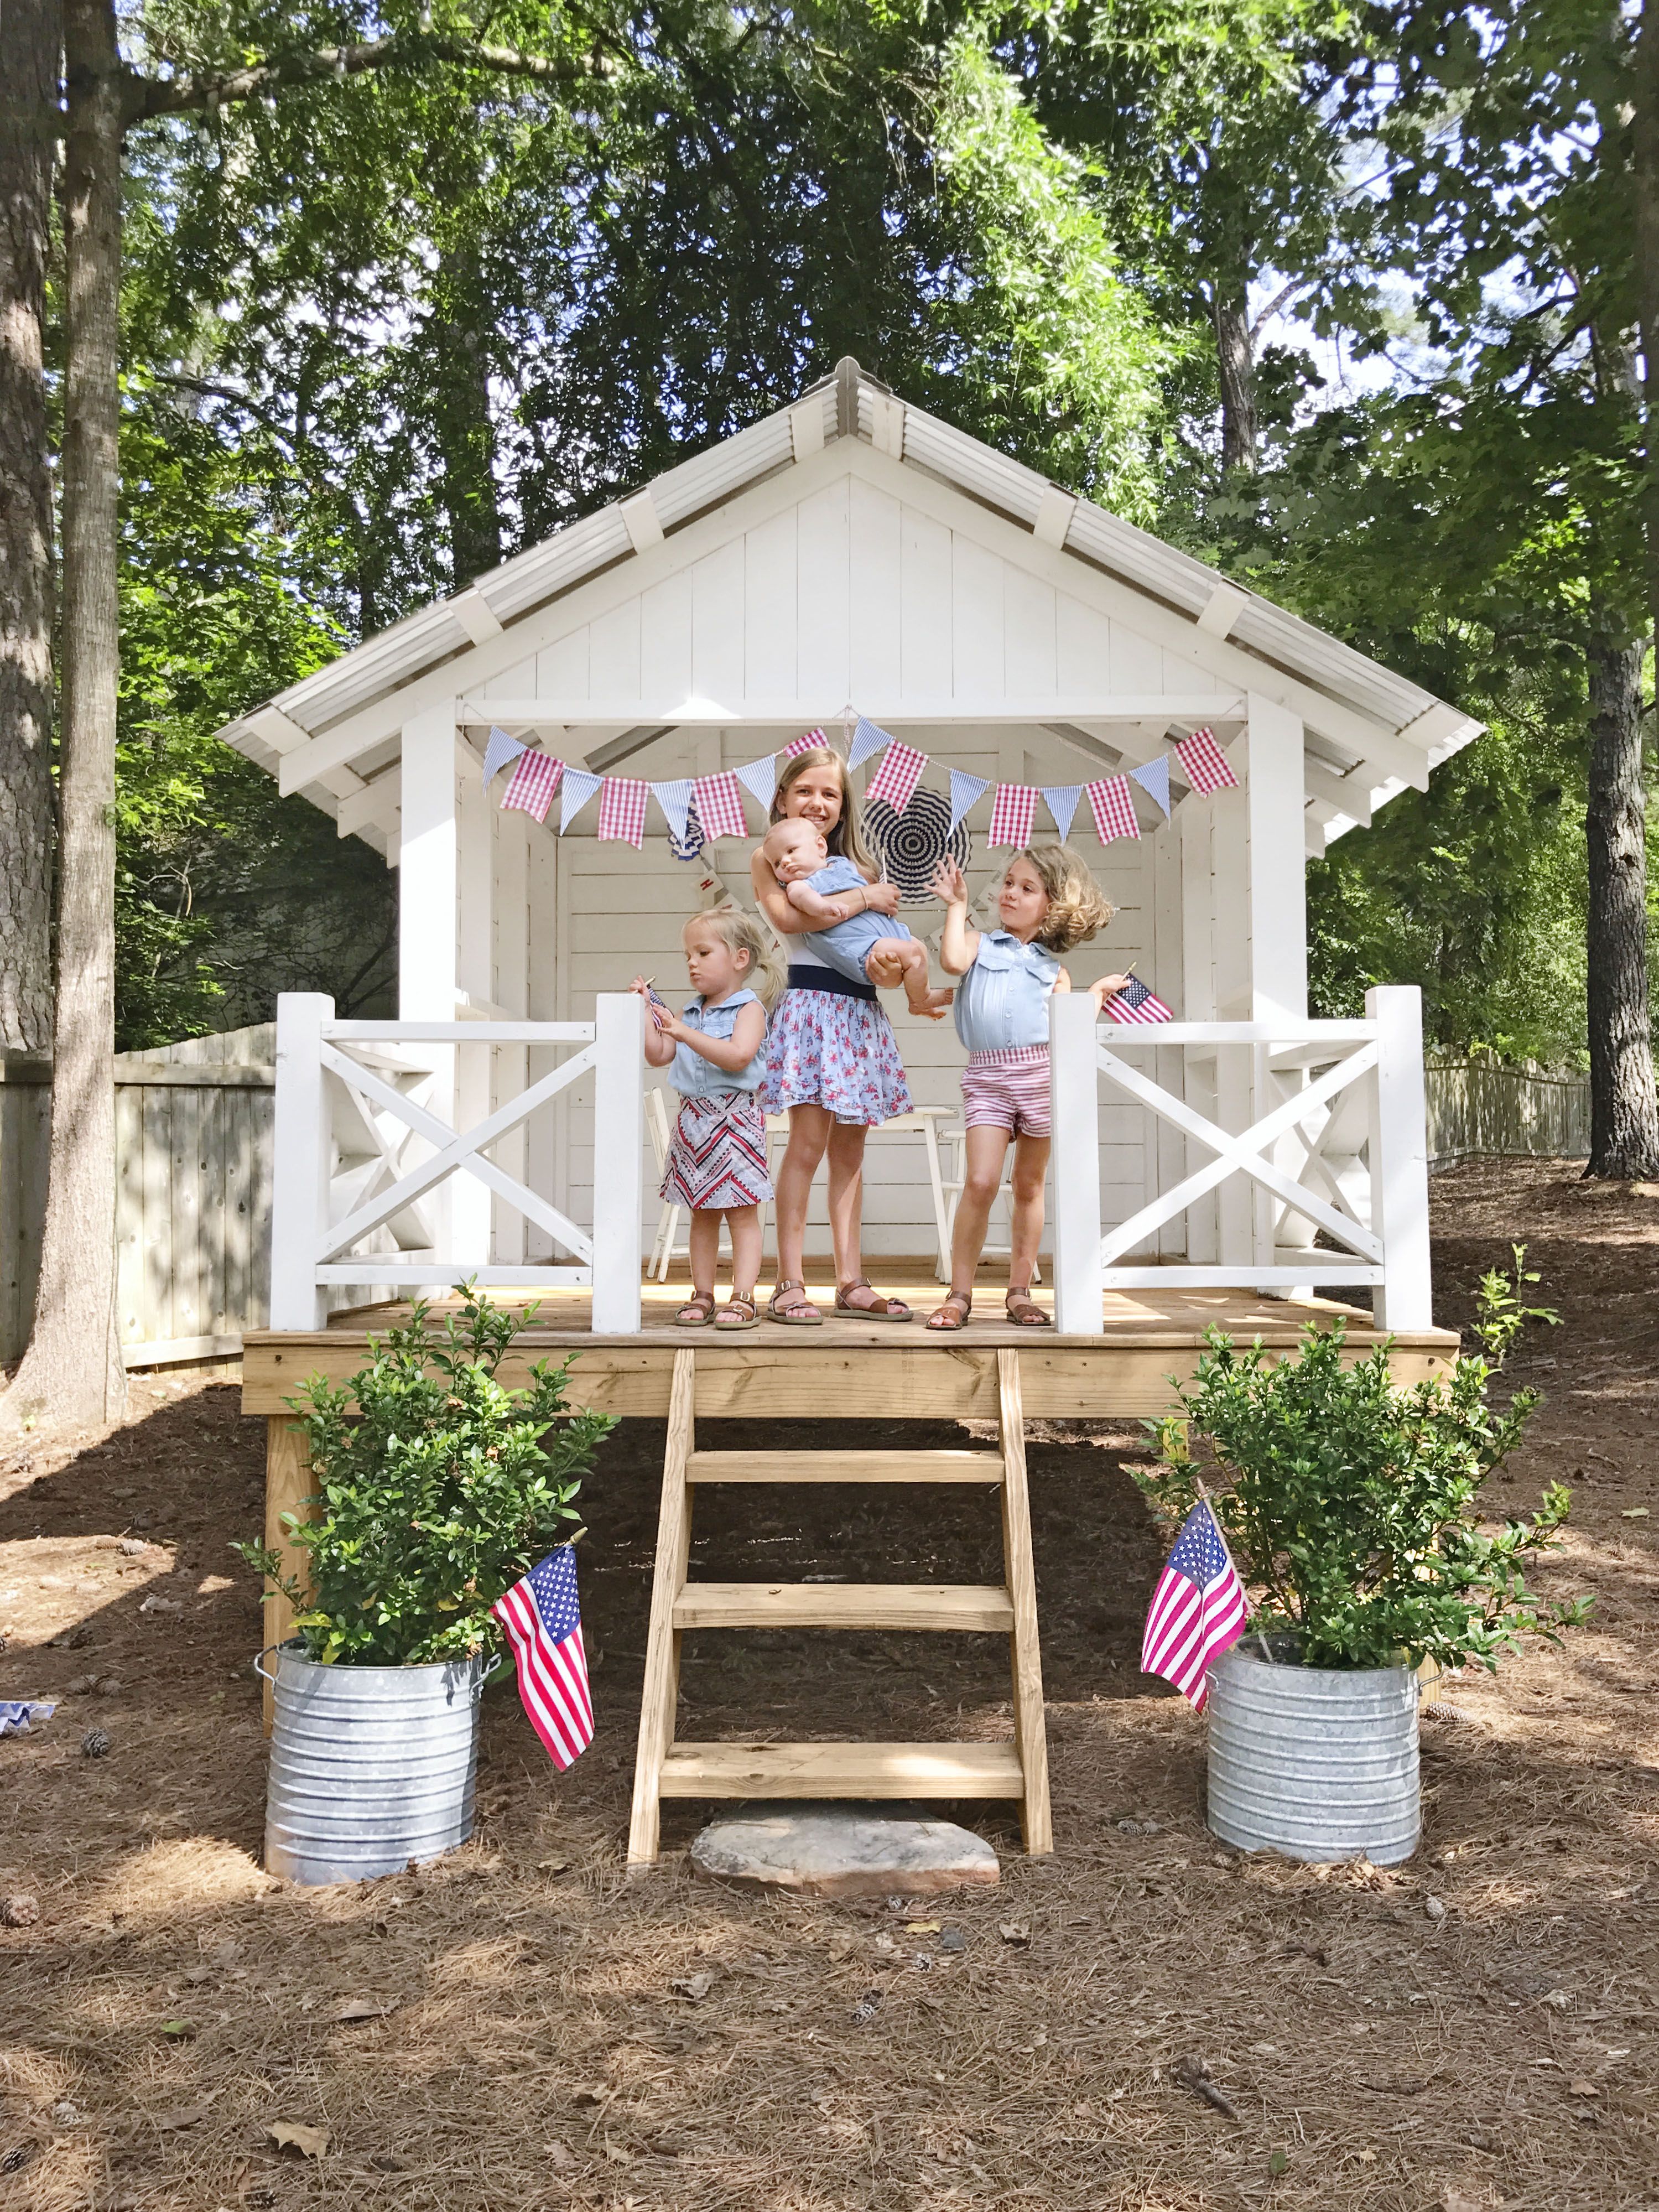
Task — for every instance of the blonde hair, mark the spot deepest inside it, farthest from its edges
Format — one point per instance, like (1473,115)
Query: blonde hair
(741,932)
(845,835)
(1077,905)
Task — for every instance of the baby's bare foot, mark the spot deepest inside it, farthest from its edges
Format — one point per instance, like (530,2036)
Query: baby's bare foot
(931,1005)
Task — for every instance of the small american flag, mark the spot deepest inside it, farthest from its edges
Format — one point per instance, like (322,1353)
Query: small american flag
(1014,811)
(897,779)
(719,805)
(809,741)
(1204,763)
(1135,1003)
(534,782)
(1197,1609)
(1113,808)
(543,1625)
(622,809)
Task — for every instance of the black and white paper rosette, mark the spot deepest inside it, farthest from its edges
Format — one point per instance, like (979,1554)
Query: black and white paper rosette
(910,845)
(689,847)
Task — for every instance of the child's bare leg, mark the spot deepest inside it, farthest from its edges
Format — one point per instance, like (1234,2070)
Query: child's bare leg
(983,1152)
(743,1222)
(1030,1168)
(903,960)
(705,1241)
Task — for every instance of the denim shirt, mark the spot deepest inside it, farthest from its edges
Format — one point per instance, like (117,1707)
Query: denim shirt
(693,1076)
(845,945)
(1002,1002)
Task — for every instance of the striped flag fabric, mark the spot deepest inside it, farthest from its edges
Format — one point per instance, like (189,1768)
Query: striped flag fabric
(675,799)
(759,777)
(533,785)
(579,786)
(897,779)
(869,738)
(1113,808)
(720,805)
(1204,763)
(500,751)
(1013,812)
(1197,1609)
(1060,799)
(966,791)
(1135,1003)
(622,809)
(1153,777)
(544,1625)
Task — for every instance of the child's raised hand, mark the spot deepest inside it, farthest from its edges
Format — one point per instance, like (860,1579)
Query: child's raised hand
(1106,986)
(949,883)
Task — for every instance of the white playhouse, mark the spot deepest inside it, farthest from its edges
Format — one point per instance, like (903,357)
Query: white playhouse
(849,557)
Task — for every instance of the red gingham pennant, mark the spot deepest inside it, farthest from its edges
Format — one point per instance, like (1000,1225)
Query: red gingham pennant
(1013,812)
(811,741)
(720,805)
(896,778)
(534,782)
(1204,763)
(1113,808)
(622,809)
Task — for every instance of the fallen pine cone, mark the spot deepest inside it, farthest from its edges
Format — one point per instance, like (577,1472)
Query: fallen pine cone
(19,1911)
(94,1744)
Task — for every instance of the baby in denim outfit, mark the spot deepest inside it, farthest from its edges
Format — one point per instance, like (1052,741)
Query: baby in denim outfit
(866,947)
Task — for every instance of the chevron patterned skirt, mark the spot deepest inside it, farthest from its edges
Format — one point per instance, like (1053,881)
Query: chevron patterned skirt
(717,1153)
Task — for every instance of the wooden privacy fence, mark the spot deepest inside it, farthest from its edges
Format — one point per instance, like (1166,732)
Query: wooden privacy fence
(1479,1106)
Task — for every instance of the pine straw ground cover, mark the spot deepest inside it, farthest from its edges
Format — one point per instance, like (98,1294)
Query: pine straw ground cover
(521,2027)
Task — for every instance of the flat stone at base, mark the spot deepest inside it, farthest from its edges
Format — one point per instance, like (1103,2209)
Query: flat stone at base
(821,1849)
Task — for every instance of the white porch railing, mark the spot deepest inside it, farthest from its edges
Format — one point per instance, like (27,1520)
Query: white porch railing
(373,1182)
(1335,1142)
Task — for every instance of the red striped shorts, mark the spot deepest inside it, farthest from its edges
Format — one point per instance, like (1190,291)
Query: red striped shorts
(1008,1090)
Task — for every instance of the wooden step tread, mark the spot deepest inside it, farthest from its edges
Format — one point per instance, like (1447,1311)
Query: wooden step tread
(845,1466)
(842,1770)
(845,1605)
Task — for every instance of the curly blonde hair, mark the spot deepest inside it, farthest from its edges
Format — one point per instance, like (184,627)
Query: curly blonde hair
(1077,907)
(845,836)
(742,932)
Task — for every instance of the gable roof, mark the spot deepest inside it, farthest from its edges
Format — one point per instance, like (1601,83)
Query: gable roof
(1387,732)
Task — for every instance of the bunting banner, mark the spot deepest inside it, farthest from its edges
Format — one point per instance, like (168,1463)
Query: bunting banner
(1205,764)
(675,800)
(499,752)
(1153,777)
(868,739)
(897,777)
(720,805)
(579,787)
(621,810)
(533,782)
(1113,808)
(759,777)
(1062,801)
(810,741)
(965,792)
(1012,814)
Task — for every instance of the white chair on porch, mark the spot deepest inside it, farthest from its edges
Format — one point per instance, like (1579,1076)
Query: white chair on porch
(668,1245)
(953,1145)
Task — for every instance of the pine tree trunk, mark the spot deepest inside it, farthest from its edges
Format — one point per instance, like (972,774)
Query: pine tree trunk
(1235,359)
(1624,1113)
(28,128)
(71,1370)
(466,433)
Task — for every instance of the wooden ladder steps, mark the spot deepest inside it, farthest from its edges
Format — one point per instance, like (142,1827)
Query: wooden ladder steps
(842,1770)
(967,1606)
(667,1769)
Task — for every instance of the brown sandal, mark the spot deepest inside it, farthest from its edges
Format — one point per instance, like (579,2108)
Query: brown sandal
(880,1309)
(736,1313)
(945,1318)
(798,1313)
(696,1313)
(1024,1310)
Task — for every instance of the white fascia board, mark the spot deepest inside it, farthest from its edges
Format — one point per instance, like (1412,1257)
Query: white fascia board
(475,616)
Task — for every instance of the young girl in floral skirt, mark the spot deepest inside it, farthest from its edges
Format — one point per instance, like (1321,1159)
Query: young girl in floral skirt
(716,1047)
(1047,903)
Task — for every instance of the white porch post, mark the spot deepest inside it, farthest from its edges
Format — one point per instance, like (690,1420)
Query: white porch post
(618,1135)
(301,1162)
(1276,802)
(1074,1092)
(428,898)
(1399,1159)
(471,1206)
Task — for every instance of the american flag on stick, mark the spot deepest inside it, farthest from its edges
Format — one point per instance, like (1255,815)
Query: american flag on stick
(1197,1609)
(1135,1003)
(543,1625)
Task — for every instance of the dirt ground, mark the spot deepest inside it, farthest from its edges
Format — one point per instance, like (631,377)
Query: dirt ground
(1476,2029)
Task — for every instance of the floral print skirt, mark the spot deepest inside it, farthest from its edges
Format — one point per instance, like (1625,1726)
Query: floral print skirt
(825,1049)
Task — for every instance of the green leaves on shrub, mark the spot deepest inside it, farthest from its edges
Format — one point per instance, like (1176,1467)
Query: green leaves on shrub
(1349,1502)
(437,1487)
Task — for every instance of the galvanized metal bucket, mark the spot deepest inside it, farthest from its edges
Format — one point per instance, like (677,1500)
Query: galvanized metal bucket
(1314,1762)
(370,1766)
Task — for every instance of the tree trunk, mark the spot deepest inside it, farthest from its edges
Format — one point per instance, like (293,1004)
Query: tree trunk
(28,128)
(466,433)
(71,1370)
(1236,360)
(1623,1112)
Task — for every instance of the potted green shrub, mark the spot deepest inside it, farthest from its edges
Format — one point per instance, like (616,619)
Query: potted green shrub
(437,1489)
(1350,1505)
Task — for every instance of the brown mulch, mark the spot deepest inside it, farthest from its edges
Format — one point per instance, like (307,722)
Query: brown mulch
(524,2044)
